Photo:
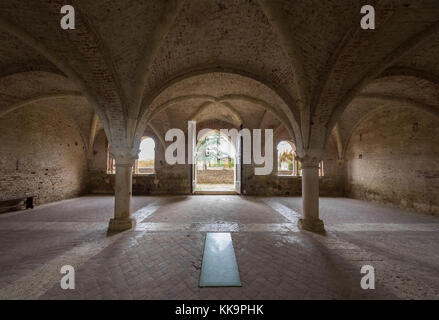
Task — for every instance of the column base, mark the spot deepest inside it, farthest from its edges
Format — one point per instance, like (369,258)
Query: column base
(118,225)
(314,225)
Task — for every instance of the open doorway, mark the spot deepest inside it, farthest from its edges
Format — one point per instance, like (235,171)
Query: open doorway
(215,164)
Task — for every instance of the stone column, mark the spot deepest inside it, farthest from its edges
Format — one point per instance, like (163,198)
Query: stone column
(122,192)
(295,173)
(310,197)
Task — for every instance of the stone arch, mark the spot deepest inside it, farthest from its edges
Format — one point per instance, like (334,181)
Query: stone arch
(370,114)
(284,110)
(209,131)
(48,97)
(38,98)
(409,72)
(386,63)
(34,84)
(32,67)
(224,104)
(402,73)
(154,134)
(62,65)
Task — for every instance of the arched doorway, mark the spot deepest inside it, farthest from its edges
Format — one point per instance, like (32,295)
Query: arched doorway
(215,164)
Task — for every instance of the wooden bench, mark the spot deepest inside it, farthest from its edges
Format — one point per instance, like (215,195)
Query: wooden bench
(17,204)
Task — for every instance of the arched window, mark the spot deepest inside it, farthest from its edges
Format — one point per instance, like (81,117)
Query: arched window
(321,168)
(145,163)
(287,162)
(286,159)
(111,163)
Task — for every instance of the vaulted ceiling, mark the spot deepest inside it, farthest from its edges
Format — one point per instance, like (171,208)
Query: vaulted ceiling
(303,66)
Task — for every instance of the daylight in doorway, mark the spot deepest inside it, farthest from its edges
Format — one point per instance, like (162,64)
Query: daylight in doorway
(243,141)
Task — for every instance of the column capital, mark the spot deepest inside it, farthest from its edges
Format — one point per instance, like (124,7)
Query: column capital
(310,158)
(124,156)
(309,162)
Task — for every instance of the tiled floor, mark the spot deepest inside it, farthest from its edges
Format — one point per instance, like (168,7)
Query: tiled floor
(161,258)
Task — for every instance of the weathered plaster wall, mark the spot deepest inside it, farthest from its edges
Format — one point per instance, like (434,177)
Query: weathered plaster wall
(393,158)
(42,154)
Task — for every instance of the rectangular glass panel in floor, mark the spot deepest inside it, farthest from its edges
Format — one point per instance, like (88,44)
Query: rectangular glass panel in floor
(219,268)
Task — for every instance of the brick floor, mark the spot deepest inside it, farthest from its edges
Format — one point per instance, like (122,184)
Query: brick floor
(161,258)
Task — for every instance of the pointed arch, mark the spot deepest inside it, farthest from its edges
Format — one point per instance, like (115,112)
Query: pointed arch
(62,65)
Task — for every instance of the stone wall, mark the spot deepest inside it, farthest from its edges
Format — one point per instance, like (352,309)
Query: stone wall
(41,154)
(393,157)
(166,179)
(176,179)
(145,184)
(224,176)
(331,184)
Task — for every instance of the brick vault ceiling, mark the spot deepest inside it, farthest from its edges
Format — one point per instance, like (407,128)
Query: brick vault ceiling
(309,61)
